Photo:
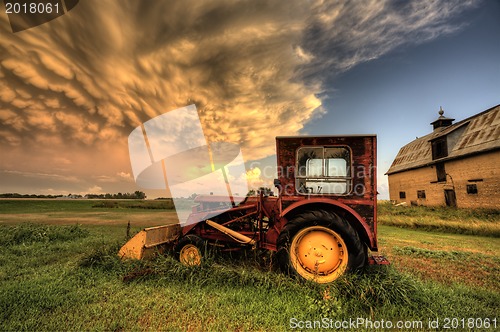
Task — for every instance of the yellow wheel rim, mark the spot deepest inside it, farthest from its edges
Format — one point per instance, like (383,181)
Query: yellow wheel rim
(317,253)
(190,255)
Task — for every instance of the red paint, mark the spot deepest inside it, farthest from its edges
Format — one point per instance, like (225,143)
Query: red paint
(262,217)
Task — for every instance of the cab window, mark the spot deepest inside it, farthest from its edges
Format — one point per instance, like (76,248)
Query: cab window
(323,170)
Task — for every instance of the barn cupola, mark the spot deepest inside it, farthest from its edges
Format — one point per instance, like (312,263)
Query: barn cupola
(442,121)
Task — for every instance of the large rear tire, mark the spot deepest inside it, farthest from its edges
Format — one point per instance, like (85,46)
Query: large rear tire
(319,246)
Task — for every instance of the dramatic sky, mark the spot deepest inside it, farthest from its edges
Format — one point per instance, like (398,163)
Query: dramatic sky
(73,89)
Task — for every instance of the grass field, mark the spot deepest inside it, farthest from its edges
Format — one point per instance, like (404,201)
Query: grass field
(485,222)
(59,271)
(85,212)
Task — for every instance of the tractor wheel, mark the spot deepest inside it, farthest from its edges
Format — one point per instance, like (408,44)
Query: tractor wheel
(190,250)
(319,246)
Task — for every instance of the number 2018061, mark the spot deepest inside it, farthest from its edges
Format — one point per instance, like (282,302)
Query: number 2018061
(31,8)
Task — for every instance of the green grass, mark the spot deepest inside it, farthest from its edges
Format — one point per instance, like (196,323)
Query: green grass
(26,234)
(59,276)
(72,211)
(44,205)
(134,204)
(78,283)
(77,205)
(484,222)
(443,257)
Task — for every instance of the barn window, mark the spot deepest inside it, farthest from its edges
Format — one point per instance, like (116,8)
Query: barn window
(402,194)
(472,189)
(421,194)
(440,172)
(323,170)
(439,148)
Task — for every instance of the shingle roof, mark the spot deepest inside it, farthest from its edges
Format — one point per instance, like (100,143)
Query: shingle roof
(476,134)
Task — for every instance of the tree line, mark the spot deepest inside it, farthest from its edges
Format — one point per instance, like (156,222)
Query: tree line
(135,195)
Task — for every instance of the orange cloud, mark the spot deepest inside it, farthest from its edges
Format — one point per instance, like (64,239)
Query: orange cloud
(75,87)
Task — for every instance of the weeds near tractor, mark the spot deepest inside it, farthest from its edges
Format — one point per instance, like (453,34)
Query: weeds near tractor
(373,285)
(376,286)
(33,233)
(374,290)
(103,258)
(215,271)
(365,290)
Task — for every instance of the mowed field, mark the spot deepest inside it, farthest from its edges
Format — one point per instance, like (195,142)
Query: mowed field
(59,271)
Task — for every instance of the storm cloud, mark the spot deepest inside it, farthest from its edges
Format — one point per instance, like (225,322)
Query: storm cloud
(73,89)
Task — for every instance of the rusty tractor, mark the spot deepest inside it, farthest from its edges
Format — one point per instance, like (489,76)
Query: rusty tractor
(322,223)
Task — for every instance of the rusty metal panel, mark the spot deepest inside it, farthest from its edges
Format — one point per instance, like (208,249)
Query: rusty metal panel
(357,206)
(362,168)
(362,197)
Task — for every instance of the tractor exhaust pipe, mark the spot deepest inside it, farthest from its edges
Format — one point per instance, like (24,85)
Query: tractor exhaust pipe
(231,233)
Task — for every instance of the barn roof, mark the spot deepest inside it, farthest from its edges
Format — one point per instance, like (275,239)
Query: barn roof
(476,134)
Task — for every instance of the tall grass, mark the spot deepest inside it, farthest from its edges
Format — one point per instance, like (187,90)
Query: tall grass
(440,212)
(375,290)
(44,205)
(484,222)
(30,233)
(79,283)
(55,278)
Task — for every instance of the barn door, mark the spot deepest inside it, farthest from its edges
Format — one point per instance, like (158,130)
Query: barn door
(450,198)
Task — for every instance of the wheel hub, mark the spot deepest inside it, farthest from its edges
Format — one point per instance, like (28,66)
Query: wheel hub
(318,253)
(190,255)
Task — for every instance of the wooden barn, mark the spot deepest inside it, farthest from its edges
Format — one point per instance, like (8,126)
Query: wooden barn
(457,165)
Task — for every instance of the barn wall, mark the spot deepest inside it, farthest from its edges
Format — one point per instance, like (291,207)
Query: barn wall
(480,170)
(483,167)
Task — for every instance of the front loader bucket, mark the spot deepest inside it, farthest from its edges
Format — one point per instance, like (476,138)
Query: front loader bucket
(144,244)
